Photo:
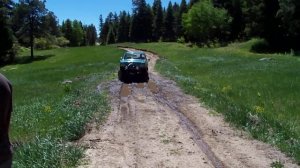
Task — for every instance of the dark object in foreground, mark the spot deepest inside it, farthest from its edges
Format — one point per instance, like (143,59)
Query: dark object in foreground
(134,67)
(5,114)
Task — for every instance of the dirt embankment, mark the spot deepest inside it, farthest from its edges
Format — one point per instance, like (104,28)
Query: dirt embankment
(155,124)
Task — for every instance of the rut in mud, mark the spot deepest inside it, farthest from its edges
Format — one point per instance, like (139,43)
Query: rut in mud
(155,124)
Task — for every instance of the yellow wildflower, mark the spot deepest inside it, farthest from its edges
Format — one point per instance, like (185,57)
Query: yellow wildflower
(47,109)
(259,109)
(226,89)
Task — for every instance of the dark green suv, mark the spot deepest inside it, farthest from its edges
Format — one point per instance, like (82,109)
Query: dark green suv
(134,66)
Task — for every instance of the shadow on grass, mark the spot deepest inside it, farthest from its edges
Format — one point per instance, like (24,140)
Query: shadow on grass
(28,59)
(263,47)
(297,53)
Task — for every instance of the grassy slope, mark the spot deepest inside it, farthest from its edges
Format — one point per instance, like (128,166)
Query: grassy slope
(48,113)
(259,96)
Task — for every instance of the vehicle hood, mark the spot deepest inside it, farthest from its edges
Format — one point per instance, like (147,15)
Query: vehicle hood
(133,61)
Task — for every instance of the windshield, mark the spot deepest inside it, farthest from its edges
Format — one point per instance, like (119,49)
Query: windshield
(134,56)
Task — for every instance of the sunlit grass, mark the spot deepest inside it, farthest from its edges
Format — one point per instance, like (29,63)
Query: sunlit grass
(55,97)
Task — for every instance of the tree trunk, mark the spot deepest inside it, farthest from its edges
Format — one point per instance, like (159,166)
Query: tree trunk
(31,38)
(31,48)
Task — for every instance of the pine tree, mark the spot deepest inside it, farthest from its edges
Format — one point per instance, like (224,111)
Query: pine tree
(77,36)
(111,37)
(128,20)
(238,20)
(182,9)
(104,33)
(177,20)
(148,21)
(169,33)
(158,20)
(123,28)
(74,31)
(234,8)
(176,8)
(63,27)
(50,24)
(101,24)
(31,17)
(272,30)
(68,30)
(108,34)
(115,26)
(141,26)
(91,35)
(6,40)
(289,14)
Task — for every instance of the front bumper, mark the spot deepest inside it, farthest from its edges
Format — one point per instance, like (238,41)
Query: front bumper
(134,69)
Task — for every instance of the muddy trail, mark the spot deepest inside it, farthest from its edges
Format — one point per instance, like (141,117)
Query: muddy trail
(155,124)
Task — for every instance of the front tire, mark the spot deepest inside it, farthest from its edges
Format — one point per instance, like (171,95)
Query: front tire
(145,75)
(122,75)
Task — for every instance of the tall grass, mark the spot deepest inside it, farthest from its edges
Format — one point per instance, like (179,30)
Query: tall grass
(255,94)
(55,97)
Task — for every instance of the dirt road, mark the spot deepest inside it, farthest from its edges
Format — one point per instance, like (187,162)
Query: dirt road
(155,124)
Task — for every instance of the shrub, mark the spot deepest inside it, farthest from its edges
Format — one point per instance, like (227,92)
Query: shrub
(50,42)
(41,43)
(261,46)
(181,40)
(204,22)
(62,41)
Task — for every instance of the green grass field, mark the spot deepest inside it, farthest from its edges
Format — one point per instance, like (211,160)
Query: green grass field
(47,113)
(261,97)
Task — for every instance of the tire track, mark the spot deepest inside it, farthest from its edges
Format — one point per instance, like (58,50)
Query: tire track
(155,124)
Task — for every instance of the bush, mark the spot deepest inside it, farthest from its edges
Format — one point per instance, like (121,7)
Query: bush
(261,46)
(62,41)
(41,43)
(181,40)
(204,22)
(50,42)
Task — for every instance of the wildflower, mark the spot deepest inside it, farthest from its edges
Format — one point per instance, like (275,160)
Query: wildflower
(226,89)
(47,109)
(258,109)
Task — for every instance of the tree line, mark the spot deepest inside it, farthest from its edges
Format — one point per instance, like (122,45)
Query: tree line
(146,23)
(29,23)
(207,22)
(78,34)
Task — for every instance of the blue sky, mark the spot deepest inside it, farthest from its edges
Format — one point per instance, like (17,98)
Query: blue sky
(88,11)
